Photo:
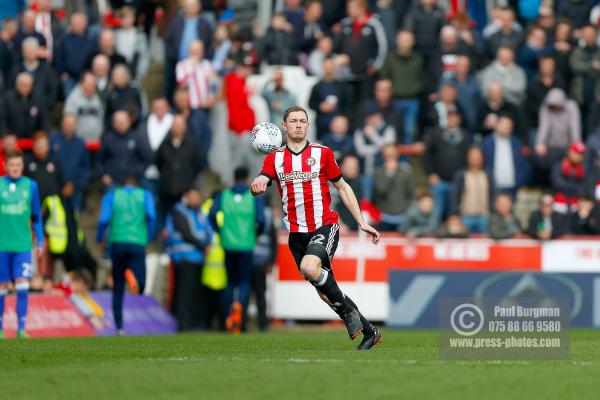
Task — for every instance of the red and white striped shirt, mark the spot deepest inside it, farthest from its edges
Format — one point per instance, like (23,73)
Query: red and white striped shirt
(302,182)
(199,78)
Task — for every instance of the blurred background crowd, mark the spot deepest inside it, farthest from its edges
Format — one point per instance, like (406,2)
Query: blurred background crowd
(449,118)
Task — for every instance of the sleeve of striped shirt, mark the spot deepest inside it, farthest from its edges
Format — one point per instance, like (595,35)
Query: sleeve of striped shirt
(330,168)
(181,73)
(268,168)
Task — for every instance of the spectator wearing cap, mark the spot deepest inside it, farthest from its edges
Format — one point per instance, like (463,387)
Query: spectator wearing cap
(545,223)
(187,26)
(45,82)
(394,186)
(391,111)
(568,178)
(493,105)
(338,139)
(445,154)
(362,39)
(585,64)
(504,159)
(473,192)
(576,11)
(504,71)
(369,139)
(85,103)
(73,52)
(122,154)
(329,97)
(23,113)
(560,126)
(406,70)
(508,34)
(537,89)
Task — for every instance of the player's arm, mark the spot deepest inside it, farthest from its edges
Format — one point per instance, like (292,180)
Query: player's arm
(36,218)
(351,203)
(263,180)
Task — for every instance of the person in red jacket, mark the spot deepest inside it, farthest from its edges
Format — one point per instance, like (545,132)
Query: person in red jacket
(241,117)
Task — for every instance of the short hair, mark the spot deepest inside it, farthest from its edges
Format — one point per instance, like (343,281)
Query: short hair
(292,109)
(127,10)
(240,174)
(14,154)
(40,135)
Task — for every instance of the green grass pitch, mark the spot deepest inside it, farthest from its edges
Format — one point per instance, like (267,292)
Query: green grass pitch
(284,365)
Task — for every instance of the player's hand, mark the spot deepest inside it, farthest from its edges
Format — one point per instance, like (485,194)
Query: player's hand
(39,251)
(259,185)
(101,246)
(372,232)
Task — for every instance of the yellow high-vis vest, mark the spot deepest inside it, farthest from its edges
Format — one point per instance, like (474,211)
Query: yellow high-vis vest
(56,225)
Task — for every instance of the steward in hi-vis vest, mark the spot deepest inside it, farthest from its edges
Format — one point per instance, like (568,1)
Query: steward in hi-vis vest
(188,236)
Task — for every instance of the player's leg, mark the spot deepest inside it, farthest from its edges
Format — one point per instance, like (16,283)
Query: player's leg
(21,264)
(137,263)
(118,257)
(312,270)
(4,279)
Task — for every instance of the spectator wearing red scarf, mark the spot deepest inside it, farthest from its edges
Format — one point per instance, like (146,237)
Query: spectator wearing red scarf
(568,178)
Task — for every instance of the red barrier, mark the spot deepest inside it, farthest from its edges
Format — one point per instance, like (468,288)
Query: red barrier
(27,144)
(357,260)
(48,316)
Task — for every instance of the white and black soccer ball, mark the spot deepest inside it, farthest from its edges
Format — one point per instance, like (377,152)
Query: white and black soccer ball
(265,137)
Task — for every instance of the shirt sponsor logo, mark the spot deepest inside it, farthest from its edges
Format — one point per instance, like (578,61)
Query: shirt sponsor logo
(298,175)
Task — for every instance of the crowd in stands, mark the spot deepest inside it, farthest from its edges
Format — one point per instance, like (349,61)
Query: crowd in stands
(482,98)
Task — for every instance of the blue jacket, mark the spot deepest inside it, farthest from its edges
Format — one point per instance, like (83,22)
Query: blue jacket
(73,158)
(175,33)
(122,155)
(73,53)
(188,234)
(521,166)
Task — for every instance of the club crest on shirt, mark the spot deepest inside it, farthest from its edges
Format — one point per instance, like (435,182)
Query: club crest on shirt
(310,161)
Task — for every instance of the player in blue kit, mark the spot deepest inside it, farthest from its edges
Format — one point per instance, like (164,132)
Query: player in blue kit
(19,210)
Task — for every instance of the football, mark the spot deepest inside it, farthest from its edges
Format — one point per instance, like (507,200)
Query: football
(265,137)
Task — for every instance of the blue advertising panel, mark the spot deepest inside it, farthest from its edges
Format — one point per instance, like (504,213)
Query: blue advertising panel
(414,296)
